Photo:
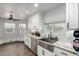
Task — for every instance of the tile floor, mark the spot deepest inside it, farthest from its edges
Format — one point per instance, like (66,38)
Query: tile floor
(15,49)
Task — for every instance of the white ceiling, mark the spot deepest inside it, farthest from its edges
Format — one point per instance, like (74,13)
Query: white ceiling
(19,9)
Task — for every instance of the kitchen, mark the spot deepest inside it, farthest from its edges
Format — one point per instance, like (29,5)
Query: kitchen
(45,29)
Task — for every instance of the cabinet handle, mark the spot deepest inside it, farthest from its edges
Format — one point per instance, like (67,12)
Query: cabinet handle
(64,53)
(67,25)
(43,52)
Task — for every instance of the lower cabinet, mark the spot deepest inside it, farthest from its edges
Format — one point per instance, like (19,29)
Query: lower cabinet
(40,51)
(27,41)
(61,52)
(57,52)
(43,52)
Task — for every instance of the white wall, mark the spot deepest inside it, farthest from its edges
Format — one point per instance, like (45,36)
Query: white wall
(16,34)
(57,14)
(35,21)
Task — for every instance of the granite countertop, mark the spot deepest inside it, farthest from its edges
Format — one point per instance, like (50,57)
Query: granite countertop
(35,37)
(65,45)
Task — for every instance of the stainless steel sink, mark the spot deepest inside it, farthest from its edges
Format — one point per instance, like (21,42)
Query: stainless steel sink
(49,44)
(49,40)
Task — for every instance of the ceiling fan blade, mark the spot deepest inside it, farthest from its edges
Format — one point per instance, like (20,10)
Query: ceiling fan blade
(16,20)
(2,18)
(10,18)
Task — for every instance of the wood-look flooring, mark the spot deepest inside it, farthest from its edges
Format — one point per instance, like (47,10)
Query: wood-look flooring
(15,49)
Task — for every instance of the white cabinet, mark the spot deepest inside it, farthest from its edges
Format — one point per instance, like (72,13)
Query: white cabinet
(61,52)
(27,41)
(39,51)
(43,52)
(57,52)
(72,15)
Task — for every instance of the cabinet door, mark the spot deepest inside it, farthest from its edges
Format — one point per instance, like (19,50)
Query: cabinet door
(48,53)
(25,40)
(40,51)
(43,52)
(34,45)
(28,42)
(61,52)
(72,15)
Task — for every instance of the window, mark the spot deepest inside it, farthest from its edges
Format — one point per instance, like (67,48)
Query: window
(9,27)
(22,28)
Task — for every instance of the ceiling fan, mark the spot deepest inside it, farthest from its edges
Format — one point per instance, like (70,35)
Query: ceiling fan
(11,18)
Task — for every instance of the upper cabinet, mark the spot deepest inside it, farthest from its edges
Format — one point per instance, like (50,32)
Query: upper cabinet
(72,15)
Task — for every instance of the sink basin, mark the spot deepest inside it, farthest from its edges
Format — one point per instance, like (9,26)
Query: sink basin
(49,40)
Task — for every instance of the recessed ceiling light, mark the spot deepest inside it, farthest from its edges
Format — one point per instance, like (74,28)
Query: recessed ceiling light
(36,5)
(27,12)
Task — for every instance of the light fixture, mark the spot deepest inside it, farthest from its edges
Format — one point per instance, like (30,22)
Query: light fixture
(36,5)
(27,12)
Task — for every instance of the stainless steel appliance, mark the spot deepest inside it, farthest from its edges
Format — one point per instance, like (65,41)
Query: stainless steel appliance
(76,41)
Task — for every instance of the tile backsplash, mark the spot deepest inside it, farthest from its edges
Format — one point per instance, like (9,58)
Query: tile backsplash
(68,36)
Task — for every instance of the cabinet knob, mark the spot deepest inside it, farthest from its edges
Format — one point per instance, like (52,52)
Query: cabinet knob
(67,25)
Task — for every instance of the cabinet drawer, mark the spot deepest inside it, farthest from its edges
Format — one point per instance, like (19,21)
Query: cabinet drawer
(44,52)
(62,52)
(39,51)
(48,53)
